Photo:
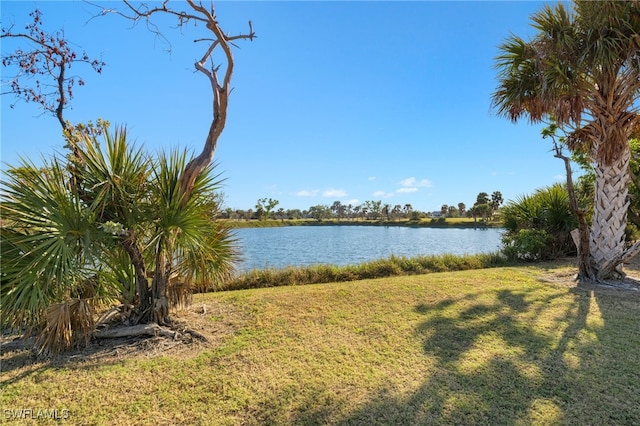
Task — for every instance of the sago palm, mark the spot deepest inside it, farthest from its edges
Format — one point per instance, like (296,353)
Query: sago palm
(581,69)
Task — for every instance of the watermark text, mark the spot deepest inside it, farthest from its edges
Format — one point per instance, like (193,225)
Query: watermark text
(35,414)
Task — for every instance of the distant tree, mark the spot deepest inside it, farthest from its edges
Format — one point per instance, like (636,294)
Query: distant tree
(264,206)
(366,209)
(415,215)
(338,209)
(482,198)
(386,211)
(376,209)
(320,212)
(397,211)
(496,200)
(294,214)
(356,211)
(480,210)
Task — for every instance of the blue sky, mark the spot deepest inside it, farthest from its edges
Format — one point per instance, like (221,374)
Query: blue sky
(333,101)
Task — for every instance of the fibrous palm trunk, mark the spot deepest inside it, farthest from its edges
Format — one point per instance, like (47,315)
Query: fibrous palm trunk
(607,240)
(130,244)
(160,284)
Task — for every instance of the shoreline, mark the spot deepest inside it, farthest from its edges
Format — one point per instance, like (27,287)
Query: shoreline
(273,223)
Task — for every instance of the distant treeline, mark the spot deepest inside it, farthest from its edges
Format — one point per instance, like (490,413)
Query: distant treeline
(421,223)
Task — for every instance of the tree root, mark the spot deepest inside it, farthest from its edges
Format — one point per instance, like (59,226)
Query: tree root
(136,331)
(151,330)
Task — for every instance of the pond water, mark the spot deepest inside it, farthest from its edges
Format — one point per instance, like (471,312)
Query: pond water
(347,245)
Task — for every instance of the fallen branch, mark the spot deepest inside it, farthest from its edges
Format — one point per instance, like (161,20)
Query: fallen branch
(135,331)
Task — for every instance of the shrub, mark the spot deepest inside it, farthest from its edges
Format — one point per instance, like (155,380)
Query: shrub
(538,226)
(528,244)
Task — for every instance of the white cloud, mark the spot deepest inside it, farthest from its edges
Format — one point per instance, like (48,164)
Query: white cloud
(383,194)
(307,193)
(415,183)
(334,193)
(407,190)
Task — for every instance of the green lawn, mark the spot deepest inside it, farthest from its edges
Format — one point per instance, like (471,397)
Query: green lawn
(503,346)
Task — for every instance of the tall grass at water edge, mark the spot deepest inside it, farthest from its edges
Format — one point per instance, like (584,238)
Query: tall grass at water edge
(392,266)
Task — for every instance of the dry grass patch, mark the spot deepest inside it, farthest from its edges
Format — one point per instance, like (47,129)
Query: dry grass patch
(494,346)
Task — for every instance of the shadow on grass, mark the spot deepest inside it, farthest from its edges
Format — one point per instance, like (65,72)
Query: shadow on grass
(22,362)
(498,362)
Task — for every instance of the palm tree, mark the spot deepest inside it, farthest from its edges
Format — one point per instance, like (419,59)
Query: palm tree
(67,249)
(143,201)
(496,200)
(407,209)
(116,177)
(397,210)
(188,246)
(548,213)
(581,70)
(356,211)
(52,245)
(386,211)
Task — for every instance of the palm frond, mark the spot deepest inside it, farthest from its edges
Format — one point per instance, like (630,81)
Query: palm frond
(68,324)
(48,242)
(116,177)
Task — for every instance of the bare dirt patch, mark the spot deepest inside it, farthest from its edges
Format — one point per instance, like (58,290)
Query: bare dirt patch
(564,273)
(198,327)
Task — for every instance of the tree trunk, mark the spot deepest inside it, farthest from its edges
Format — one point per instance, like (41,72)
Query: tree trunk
(581,235)
(130,244)
(160,285)
(607,239)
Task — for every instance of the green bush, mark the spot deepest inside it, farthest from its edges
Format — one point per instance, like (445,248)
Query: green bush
(538,226)
(528,244)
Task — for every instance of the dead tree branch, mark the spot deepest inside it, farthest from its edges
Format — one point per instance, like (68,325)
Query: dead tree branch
(220,85)
(585,269)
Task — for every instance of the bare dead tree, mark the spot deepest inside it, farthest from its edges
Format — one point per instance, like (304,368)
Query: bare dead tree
(220,84)
(219,76)
(581,235)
